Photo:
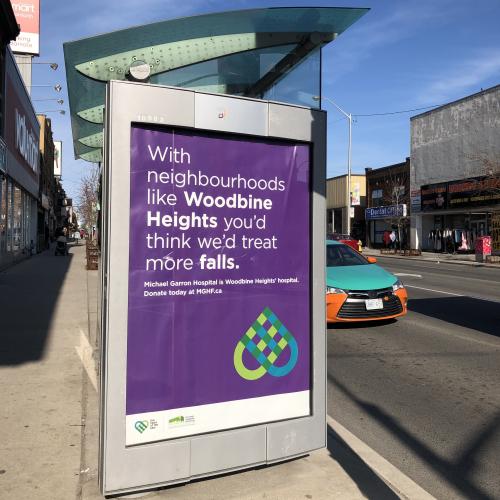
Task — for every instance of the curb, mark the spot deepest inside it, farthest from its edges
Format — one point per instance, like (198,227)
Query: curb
(435,259)
(396,480)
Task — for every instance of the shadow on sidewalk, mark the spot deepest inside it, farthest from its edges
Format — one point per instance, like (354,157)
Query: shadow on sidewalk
(482,315)
(367,481)
(29,291)
(459,471)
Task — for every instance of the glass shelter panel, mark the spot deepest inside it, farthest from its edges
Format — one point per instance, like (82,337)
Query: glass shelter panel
(300,84)
(233,74)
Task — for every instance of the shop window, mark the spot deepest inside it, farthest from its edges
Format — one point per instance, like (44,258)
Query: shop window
(377,198)
(17,234)
(2,89)
(10,214)
(3,214)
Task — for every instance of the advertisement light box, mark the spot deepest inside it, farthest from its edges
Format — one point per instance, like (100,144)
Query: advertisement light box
(212,285)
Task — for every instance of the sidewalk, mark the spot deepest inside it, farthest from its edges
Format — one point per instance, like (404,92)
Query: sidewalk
(44,309)
(49,405)
(464,259)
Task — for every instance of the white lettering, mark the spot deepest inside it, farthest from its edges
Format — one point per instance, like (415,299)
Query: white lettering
(26,142)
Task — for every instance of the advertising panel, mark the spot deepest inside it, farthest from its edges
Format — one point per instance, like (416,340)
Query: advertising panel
(356,194)
(434,196)
(27,14)
(219,318)
(57,159)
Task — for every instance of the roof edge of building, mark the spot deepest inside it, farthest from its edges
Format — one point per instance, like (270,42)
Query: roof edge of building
(452,103)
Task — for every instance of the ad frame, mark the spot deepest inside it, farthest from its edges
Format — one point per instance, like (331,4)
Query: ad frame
(183,459)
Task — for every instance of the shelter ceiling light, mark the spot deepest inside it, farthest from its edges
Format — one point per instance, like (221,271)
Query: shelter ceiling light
(56,87)
(139,71)
(60,111)
(52,65)
(59,101)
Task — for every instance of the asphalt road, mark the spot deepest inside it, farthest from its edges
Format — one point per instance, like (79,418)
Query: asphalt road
(424,391)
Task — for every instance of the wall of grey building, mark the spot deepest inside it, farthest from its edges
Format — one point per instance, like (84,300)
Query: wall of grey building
(447,144)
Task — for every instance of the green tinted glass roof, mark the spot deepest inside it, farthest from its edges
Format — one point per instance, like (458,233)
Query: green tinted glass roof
(179,51)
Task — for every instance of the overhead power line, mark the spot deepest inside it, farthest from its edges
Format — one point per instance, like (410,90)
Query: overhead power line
(398,112)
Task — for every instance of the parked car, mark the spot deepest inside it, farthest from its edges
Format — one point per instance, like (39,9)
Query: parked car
(359,290)
(346,239)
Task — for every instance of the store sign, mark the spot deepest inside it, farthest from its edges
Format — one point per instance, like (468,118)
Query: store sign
(476,191)
(27,14)
(472,192)
(387,212)
(415,200)
(433,196)
(26,141)
(219,287)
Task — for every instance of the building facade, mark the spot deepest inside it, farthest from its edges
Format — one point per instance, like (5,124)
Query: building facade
(47,192)
(19,170)
(455,172)
(337,201)
(387,201)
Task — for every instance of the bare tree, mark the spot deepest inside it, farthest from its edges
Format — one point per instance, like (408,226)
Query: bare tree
(396,192)
(87,198)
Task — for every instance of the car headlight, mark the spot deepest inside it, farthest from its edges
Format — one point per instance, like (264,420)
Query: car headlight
(397,286)
(330,289)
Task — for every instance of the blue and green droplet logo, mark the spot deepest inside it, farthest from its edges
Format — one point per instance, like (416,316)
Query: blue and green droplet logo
(266,340)
(141,426)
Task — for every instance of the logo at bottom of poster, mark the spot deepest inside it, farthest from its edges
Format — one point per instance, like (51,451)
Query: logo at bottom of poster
(266,340)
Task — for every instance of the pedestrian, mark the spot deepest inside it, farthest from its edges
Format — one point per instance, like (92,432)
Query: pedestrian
(386,239)
(392,237)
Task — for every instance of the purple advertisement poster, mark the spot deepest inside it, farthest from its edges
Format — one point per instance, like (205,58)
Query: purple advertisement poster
(219,277)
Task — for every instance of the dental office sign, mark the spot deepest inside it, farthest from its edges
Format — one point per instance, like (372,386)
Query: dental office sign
(386,212)
(219,283)
(27,14)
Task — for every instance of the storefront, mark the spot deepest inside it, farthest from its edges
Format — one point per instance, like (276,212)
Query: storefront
(455,173)
(455,213)
(19,181)
(337,210)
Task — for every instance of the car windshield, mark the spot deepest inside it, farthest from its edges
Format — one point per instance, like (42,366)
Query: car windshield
(343,255)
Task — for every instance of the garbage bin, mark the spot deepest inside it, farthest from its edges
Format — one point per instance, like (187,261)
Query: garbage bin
(482,247)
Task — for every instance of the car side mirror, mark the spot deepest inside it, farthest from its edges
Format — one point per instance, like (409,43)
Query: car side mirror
(371,260)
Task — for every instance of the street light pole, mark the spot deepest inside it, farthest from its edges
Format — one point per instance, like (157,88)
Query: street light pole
(349,153)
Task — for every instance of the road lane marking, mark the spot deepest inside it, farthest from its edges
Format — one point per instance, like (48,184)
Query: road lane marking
(391,475)
(437,291)
(408,274)
(85,351)
(477,297)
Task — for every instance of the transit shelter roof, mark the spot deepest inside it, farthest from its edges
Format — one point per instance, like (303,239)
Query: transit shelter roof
(240,53)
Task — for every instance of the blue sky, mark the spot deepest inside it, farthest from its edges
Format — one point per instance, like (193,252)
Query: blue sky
(403,54)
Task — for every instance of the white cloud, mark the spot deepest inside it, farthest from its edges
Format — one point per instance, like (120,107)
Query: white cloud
(464,77)
(366,36)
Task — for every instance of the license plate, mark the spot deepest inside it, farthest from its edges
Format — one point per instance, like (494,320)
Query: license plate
(372,304)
